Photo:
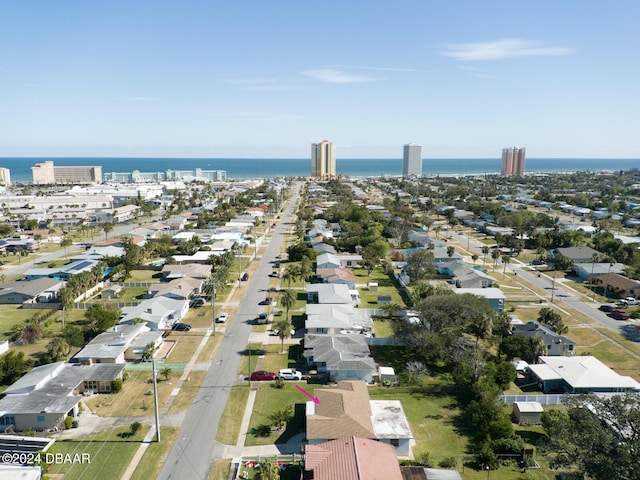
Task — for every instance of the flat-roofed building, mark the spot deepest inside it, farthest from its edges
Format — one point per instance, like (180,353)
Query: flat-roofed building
(5,176)
(47,173)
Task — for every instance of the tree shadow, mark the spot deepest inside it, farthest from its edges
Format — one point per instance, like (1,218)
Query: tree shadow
(261,431)
(295,425)
(631,332)
(254,352)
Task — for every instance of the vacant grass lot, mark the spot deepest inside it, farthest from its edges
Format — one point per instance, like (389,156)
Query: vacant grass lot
(136,397)
(268,401)
(186,345)
(220,469)
(110,453)
(188,391)
(585,337)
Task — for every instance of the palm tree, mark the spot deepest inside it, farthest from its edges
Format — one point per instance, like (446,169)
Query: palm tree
(284,330)
(495,255)
(166,373)
(106,228)
(292,272)
(287,300)
(506,259)
(64,243)
(485,251)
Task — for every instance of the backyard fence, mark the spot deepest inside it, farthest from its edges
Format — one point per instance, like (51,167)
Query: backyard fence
(551,399)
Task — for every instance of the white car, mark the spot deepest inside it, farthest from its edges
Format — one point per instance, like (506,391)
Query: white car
(276,332)
(290,374)
(222,318)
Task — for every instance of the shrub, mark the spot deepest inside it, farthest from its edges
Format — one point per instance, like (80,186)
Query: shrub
(448,462)
(116,385)
(425,460)
(278,383)
(68,422)
(134,427)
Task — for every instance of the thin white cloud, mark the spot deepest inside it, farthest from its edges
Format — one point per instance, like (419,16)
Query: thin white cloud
(501,49)
(251,81)
(330,75)
(255,116)
(262,84)
(382,69)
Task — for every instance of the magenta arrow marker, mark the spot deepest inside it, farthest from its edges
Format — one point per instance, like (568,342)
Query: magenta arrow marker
(315,399)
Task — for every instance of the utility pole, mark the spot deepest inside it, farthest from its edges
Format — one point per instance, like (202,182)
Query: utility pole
(213,307)
(155,400)
(553,285)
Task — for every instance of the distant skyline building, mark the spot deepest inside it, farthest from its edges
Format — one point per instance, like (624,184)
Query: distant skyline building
(5,176)
(47,174)
(412,160)
(513,160)
(323,159)
(136,176)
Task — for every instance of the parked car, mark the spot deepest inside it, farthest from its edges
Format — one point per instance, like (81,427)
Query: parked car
(607,308)
(222,318)
(197,302)
(266,301)
(629,301)
(290,374)
(181,327)
(262,318)
(318,379)
(274,274)
(262,375)
(276,332)
(620,315)
(244,277)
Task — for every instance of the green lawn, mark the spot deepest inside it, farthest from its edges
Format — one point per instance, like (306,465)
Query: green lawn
(229,427)
(109,452)
(269,400)
(156,453)
(250,354)
(382,328)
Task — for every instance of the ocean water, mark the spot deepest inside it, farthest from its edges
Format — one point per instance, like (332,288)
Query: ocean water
(247,168)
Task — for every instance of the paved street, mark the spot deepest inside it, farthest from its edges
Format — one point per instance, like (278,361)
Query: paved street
(196,447)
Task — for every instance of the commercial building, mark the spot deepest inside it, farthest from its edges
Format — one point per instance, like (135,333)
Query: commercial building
(137,176)
(412,160)
(513,159)
(323,159)
(47,174)
(5,176)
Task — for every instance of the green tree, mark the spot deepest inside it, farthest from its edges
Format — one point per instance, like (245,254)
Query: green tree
(58,349)
(166,373)
(268,469)
(550,317)
(280,417)
(102,316)
(420,264)
(65,243)
(284,330)
(107,228)
(287,300)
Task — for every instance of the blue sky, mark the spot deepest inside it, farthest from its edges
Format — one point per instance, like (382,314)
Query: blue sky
(265,79)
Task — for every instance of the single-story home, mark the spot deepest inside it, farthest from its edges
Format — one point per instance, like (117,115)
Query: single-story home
(347,411)
(159,313)
(334,318)
(337,275)
(328,260)
(342,356)
(619,286)
(43,397)
(578,374)
(117,344)
(41,290)
(493,295)
(587,271)
(351,458)
(575,254)
(332,293)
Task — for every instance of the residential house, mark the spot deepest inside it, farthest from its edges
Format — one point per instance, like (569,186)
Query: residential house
(171,272)
(351,458)
(41,290)
(328,260)
(588,271)
(180,288)
(575,254)
(619,286)
(554,344)
(126,212)
(61,273)
(493,295)
(342,356)
(322,247)
(337,275)
(334,318)
(111,292)
(578,374)
(347,411)
(332,293)
(43,397)
(118,344)
(159,313)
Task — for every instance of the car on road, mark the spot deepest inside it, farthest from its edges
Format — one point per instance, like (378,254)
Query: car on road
(244,277)
(262,375)
(289,374)
(620,315)
(274,274)
(181,327)
(606,308)
(222,318)
(266,301)
(537,262)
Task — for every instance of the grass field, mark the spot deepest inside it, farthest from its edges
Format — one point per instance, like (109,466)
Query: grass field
(220,470)
(188,392)
(109,453)
(229,427)
(154,456)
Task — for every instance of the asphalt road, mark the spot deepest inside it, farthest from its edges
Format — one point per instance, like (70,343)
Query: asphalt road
(196,447)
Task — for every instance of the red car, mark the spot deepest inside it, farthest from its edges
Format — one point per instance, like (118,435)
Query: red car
(261,375)
(620,315)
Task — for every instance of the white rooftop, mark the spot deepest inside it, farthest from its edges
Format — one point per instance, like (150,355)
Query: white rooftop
(388,419)
(587,373)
